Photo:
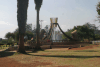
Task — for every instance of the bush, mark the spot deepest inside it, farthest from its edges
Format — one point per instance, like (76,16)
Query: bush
(86,40)
(15,43)
(4,41)
(97,36)
(10,41)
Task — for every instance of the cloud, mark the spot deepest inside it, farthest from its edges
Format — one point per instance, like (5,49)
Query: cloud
(3,32)
(79,8)
(4,23)
(6,27)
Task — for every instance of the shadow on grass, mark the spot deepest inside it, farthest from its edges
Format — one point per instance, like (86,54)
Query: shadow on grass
(6,53)
(64,56)
(34,51)
(86,51)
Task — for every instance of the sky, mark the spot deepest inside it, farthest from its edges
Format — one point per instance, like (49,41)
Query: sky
(70,13)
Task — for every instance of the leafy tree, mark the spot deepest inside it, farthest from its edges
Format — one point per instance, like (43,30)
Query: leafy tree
(98,8)
(4,41)
(29,34)
(97,36)
(10,40)
(91,26)
(29,27)
(68,33)
(83,32)
(98,11)
(8,35)
(22,6)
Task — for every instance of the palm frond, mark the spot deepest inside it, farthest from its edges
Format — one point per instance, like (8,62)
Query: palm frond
(38,4)
(22,6)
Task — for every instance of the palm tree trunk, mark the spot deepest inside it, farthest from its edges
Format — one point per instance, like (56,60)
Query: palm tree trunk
(22,6)
(21,47)
(37,32)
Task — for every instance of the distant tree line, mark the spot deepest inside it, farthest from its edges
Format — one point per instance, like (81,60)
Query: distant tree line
(15,35)
(29,34)
(86,31)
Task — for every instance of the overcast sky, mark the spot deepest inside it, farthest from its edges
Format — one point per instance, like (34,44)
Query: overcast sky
(70,13)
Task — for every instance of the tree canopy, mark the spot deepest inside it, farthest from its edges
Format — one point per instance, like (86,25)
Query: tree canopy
(9,34)
(98,8)
(83,32)
(38,4)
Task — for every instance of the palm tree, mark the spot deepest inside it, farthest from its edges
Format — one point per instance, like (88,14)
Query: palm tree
(22,6)
(38,4)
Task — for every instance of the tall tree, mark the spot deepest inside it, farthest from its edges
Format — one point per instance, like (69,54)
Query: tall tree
(98,11)
(22,6)
(83,32)
(8,35)
(98,8)
(38,4)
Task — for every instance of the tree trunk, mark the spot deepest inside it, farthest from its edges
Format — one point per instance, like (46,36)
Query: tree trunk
(22,6)
(21,47)
(37,47)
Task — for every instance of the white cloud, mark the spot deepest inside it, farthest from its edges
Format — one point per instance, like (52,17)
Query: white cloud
(3,33)
(4,23)
(6,27)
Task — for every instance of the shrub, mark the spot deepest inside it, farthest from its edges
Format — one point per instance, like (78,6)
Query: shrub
(4,41)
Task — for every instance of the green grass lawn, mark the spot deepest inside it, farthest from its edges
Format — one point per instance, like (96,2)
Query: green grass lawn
(76,58)
(4,47)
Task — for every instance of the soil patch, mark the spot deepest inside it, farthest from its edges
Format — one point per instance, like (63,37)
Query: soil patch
(66,66)
(86,47)
(81,48)
(58,49)
(8,62)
